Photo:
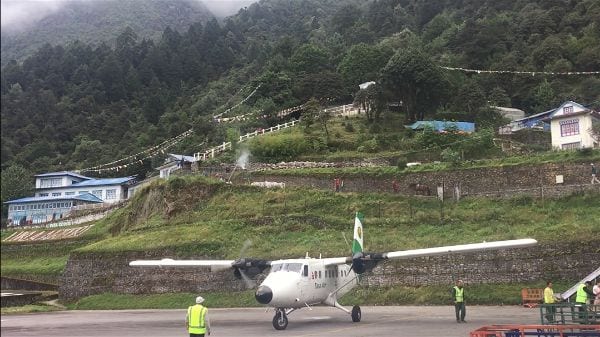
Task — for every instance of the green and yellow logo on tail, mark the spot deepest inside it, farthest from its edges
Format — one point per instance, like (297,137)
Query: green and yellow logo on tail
(357,243)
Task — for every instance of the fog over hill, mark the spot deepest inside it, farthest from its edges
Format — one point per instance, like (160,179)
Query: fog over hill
(27,25)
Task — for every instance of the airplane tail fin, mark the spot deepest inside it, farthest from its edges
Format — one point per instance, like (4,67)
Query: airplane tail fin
(357,243)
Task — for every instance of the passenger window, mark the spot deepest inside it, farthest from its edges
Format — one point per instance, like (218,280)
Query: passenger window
(319,274)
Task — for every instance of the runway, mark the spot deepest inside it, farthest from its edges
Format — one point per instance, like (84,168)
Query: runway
(256,322)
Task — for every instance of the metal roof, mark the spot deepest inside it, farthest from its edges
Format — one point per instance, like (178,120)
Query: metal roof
(83,197)
(101,182)
(62,173)
(442,125)
(182,157)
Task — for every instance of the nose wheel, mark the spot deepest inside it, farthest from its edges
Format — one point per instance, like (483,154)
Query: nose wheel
(356,313)
(280,320)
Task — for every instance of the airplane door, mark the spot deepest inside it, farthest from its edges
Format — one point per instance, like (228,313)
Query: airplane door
(304,283)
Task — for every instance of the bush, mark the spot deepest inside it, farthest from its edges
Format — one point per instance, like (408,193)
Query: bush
(349,127)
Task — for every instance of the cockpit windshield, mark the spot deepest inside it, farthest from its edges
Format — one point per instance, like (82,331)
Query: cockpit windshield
(291,267)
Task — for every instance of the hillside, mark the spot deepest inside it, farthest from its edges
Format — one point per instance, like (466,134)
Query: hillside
(95,22)
(76,106)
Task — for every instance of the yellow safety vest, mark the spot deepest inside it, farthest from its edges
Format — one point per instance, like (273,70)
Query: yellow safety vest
(581,294)
(459,294)
(548,295)
(195,318)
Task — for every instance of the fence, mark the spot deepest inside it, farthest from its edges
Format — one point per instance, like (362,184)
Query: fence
(227,145)
(569,313)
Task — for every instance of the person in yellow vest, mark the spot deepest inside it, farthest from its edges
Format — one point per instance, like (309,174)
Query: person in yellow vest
(549,299)
(581,298)
(458,298)
(197,321)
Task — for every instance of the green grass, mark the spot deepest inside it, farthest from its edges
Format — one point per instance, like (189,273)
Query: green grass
(29,308)
(304,219)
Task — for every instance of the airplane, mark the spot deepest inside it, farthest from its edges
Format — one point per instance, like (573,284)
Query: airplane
(292,284)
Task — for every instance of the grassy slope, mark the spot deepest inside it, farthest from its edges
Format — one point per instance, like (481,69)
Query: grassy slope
(309,220)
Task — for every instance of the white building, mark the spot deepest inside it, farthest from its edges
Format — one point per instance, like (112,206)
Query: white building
(571,126)
(175,162)
(510,113)
(56,194)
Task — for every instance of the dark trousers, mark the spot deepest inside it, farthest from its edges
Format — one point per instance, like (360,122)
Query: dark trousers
(550,313)
(461,311)
(196,335)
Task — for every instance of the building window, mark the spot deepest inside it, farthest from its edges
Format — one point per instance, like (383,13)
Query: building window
(97,193)
(56,194)
(52,182)
(569,127)
(43,194)
(571,146)
(69,193)
(568,110)
(111,194)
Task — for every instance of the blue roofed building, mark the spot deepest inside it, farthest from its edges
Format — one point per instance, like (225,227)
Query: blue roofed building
(58,193)
(443,126)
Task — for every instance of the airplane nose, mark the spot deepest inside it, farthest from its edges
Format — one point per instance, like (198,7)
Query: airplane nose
(264,295)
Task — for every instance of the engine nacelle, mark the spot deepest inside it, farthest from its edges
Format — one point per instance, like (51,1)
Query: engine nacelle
(358,265)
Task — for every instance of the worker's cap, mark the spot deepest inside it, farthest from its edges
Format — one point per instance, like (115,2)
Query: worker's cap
(199,299)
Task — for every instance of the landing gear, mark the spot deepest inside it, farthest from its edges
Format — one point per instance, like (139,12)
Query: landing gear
(280,320)
(356,313)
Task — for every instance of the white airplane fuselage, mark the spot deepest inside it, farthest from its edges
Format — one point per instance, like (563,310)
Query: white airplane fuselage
(297,283)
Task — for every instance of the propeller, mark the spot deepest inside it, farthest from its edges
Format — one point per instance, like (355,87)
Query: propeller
(245,268)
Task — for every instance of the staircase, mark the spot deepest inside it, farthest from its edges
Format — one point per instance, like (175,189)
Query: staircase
(594,275)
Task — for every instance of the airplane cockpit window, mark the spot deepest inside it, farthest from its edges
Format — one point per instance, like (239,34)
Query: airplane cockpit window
(291,267)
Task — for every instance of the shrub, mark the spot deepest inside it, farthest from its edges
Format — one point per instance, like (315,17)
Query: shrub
(349,127)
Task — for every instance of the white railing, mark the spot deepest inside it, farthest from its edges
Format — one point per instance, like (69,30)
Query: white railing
(342,110)
(210,153)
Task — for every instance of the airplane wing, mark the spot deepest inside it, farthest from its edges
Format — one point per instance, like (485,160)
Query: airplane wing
(405,254)
(473,247)
(215,265)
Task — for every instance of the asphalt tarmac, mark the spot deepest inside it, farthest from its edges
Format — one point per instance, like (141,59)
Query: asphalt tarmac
(256,322)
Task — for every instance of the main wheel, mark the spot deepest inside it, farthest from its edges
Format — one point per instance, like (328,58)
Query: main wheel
(356,313)
(280,320)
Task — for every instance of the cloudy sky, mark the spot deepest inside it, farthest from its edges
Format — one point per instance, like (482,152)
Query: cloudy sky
(17,13)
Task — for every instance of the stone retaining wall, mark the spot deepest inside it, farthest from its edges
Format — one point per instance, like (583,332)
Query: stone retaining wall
(90,274)
(536,181)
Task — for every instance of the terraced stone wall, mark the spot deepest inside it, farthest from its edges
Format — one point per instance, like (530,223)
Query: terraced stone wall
(536,181)
(89,274)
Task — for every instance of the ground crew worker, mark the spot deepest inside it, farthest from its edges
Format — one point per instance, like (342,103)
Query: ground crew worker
(458,298)
(581,298)
(197,321)
(549,300)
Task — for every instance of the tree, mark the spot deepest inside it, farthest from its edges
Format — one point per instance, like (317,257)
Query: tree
(361,63)
(16,183)
(371,101)
(411,76)
(310,58)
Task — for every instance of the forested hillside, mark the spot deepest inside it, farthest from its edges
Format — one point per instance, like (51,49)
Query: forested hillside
(81,104)
(96,21)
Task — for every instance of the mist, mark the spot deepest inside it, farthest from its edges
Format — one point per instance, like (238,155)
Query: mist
(20,14)
(224,8)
